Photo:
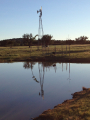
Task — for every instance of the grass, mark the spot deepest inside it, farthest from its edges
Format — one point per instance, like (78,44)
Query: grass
(77,108)
(23,53)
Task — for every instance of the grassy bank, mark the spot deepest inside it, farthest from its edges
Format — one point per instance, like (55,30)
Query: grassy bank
(77,108)
(63,53)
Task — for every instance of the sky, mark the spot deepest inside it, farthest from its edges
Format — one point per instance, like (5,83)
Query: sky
(62,19)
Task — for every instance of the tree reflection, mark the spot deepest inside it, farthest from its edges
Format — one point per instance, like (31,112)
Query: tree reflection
(30,65)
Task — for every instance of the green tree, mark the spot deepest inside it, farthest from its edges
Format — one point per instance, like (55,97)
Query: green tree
(81,39)
(24,39)
(24,36)
(28,39)
(46,39)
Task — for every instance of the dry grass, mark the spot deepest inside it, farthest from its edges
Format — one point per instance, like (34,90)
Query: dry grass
(24,52)
(77,108)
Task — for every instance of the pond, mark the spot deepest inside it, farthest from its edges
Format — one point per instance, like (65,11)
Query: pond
(29,88)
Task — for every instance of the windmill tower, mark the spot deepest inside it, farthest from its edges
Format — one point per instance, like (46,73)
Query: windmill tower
(40,30)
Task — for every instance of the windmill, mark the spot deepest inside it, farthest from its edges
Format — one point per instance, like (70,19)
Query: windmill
(40,11)
(40,30)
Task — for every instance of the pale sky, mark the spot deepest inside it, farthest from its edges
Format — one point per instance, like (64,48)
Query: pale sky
(60,18)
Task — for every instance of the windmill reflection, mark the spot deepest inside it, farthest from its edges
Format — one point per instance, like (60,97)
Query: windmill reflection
(41,67)
(66,70)
(69,74)
(62,66)
(41,76)
(66,66)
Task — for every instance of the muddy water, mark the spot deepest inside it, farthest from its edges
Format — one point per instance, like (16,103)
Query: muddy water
(27,89)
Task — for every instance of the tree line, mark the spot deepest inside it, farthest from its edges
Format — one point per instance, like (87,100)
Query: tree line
(30,40)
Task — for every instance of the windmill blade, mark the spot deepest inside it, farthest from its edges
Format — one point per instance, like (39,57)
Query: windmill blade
(41,8)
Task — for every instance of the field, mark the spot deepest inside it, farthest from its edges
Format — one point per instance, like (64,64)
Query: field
(62,53)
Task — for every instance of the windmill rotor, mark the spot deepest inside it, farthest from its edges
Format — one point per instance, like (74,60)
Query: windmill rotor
(40,11)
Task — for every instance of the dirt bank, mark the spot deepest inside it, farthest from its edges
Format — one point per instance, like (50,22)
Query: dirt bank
(77,108)
(48,59)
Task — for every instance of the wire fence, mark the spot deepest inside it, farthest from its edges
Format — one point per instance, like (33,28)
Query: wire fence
(51,50)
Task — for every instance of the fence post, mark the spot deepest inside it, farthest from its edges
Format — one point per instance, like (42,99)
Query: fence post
(55,48)
(48,49)
(66,49)
(69,50)
(62,49)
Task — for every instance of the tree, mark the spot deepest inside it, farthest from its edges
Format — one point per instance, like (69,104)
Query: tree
(28,39)
(46,39)
(24,39)
(81,39)
(30,65)
(24,36)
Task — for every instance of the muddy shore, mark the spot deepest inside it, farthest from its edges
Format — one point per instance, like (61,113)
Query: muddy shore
(76,108)
(49,59)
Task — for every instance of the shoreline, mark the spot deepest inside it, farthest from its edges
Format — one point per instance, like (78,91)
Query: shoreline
(47,59)
(70,109)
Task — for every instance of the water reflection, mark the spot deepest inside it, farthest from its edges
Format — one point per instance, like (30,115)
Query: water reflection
(66,70)
(30,65)
(41,76)
(41,68)
(69,74)
(23,85)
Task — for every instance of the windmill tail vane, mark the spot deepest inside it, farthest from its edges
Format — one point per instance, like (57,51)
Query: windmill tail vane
(41,8)
(40,11)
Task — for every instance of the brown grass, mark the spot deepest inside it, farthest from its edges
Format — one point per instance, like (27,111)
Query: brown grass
(77,108)
(23,53)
